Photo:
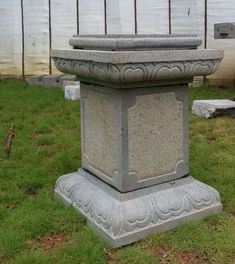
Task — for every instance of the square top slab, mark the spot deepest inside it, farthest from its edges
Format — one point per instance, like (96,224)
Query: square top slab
(135,42)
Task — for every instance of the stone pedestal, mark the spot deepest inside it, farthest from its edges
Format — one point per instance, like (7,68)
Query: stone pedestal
(134,113)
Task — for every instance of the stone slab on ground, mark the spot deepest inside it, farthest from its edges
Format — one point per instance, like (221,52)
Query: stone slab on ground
(213,108)
(35,80)
(53,80)
(72,92)
(123,218)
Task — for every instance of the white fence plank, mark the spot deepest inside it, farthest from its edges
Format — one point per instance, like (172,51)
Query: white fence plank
(188,17)
(184,16)
(152,16)
(63,24)
(36,19)
(200,19)
(91,18)
(219,12)
(120,17)
(10,38)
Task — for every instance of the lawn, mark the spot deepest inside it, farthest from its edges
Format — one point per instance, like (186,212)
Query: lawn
(36,228)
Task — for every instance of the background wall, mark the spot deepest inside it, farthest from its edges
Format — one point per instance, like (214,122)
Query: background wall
(30,28)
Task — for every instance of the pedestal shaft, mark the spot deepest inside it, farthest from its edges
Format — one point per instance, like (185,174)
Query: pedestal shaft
(133,138)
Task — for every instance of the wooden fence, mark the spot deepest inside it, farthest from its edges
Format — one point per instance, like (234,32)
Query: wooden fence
(30,28)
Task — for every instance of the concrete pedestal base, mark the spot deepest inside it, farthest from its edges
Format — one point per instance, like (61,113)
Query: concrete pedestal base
(123,218)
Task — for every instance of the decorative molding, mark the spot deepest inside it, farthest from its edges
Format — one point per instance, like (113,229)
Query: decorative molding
(136,72)
(122,217)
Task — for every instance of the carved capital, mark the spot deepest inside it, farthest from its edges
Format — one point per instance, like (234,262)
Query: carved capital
(136,72)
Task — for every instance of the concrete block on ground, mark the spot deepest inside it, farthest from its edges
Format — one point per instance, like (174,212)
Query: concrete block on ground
(72,92)
(70,83)
(67,80)
(51,80)
(213,108)
(35,80)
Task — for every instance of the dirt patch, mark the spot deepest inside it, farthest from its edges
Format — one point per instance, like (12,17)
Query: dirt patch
(32,189)
(111,257)
(52,241)
(166,254)
(163,252)
(189,257)
(160,251)
(193,257)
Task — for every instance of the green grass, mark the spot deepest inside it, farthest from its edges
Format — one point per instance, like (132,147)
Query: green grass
(47,145)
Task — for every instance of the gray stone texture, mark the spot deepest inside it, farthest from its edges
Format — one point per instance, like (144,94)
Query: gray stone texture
(159,153)
(122,219)
(213,108)
(135,42)
(100,132)
(134,138)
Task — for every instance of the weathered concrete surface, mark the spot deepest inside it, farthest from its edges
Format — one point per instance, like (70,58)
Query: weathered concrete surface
(35,80)
(72,92)
(125,218)
(55,80)
(213,108)
(51,80)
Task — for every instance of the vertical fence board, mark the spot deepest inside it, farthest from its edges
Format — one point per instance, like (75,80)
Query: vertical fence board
(184,17)
(219,12)
(63,24)
(10,38)
(200,20)
(120,17)
(91,17)
(152,16)
(36,19)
